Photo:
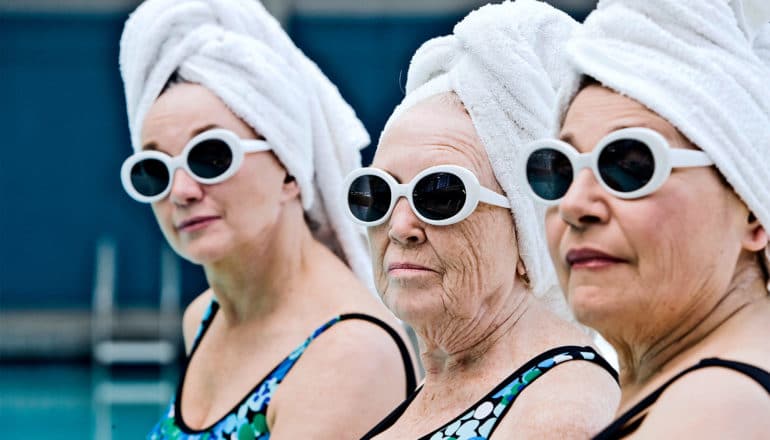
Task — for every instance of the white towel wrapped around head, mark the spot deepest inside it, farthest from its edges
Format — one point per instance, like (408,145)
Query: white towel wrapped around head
(762,45)
(691,62)
(238,50)
(505,63)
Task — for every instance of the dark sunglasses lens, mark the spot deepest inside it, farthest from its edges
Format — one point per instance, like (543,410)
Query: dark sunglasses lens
(626,165)
(369,198)
(149,177)
(210,158)
(439,196)
(549,173)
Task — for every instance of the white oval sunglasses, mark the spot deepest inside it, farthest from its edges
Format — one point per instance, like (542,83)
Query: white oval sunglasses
(210,157)
(440,195)
(629,163)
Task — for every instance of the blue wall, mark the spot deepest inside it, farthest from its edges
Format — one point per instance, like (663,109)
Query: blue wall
(65,135)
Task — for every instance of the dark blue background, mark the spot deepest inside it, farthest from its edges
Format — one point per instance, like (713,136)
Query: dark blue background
(64,137)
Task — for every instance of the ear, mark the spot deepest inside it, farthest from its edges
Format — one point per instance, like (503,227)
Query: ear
(521,270)
(290,188)
(755,238)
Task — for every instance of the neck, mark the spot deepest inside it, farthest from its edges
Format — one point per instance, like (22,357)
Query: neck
(261,275)
(689,339)
(461,346)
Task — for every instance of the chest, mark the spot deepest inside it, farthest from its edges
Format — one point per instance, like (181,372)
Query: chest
(464,416)
(223,373)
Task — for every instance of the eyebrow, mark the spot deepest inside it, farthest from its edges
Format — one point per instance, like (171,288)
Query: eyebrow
(393,175)
(567,137)
(153,146)
(200,130)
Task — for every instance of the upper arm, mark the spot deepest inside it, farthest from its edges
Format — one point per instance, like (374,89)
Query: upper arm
(710,403)
(347,380)
(574,400)
(192,317)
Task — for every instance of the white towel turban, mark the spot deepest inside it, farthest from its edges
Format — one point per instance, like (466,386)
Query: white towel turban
(762,45)
(505,62)
(692,62)
(238,50)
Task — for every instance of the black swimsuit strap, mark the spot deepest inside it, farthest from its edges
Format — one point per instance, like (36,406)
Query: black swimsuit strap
(208,318)
(411,380)
(621,426)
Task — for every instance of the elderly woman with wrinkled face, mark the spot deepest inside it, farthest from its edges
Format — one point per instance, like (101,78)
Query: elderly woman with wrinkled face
(658,216)
(452,239)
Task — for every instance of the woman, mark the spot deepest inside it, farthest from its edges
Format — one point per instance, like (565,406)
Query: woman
(471,279)
(241,155)
(660,243)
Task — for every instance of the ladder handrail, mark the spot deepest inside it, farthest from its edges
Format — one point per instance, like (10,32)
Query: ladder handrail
(105,276)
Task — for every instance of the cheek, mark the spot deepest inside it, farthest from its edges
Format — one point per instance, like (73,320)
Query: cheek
(481,253)
(162,212)
(378,243)
(555,228)
(249,205)
(681,234)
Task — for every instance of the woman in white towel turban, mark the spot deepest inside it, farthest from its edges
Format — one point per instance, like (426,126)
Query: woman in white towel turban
(659,194)
(474,280)
(241,145)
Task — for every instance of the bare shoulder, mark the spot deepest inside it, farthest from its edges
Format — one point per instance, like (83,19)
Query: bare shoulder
(193,315)
(573,400)
(349,379)
(711,402)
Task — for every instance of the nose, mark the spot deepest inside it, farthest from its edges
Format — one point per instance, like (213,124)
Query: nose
(585,202)
(184,189)
(404,227)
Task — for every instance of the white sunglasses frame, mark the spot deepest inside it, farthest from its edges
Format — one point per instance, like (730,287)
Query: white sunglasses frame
(665,159)
(474,193)
(238,147)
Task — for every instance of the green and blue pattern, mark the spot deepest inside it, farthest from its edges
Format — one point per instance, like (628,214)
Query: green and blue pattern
(480,421)
(247,421)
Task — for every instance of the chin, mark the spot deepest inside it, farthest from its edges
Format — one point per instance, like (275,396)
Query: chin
(595,307)
(201,252)
(413,305)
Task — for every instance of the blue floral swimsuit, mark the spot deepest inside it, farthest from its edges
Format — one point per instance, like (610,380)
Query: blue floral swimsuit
(247,420)
(480,420)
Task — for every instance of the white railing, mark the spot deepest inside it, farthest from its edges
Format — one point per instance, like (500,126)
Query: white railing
(110,348)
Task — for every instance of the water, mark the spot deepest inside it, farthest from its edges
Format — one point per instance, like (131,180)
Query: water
(44,401)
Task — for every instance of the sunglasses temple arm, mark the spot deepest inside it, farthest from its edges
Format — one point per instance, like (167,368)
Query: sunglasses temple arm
(253,146)
(689,158)
(492,198)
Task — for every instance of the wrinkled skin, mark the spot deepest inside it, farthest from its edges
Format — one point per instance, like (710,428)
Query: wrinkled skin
(472,263)
(678,248)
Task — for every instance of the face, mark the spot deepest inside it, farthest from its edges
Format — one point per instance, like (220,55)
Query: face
(427,273)
(665,256)
(206,223)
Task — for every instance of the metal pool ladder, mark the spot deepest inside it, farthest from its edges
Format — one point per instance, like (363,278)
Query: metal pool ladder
(112,348)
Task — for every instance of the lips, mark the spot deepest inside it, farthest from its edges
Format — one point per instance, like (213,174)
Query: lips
(195,222)
(407,266)
(590,258)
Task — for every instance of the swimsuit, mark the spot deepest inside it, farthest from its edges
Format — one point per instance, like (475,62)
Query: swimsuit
(621,427)
(479,421)
(247,419)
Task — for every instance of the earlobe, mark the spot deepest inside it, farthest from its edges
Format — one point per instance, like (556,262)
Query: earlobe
(290,188)
(521,270)
(756,238)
